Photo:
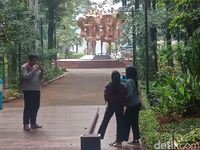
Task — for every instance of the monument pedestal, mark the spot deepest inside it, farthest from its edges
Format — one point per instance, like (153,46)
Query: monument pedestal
(102,57)
(90,61)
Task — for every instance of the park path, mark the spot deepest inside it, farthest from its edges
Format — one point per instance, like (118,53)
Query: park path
(79,87)
(68,107)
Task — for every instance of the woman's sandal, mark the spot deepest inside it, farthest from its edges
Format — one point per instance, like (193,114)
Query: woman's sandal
(134,142)
(116,144)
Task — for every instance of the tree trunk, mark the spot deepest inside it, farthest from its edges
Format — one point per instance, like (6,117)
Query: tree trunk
(169,48)
(135,32)
(36,25)
(168,37)
(54,35)
(137,4)
(134,37)
(33,7)
(13,66)
(153,46)
(76,48)
(51,10)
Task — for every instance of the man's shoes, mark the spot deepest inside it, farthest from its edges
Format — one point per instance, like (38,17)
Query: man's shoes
(35,126)
(26,127)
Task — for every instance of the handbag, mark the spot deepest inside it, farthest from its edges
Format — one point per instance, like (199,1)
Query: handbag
(140,97)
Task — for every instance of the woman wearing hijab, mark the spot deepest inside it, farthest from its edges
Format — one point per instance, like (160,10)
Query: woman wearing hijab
(115,96)
(133,105)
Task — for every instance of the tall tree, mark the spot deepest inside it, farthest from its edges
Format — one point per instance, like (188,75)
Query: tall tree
(34,9)
(51,22)
(168,5)
(153,42)
(57,11)
(187,19)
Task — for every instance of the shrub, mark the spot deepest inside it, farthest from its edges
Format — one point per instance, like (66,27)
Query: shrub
(178,94)
(182,132)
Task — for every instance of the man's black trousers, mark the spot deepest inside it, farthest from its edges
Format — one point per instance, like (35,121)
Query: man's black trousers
(31,106)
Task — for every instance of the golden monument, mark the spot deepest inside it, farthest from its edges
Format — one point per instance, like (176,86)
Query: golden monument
(100,25)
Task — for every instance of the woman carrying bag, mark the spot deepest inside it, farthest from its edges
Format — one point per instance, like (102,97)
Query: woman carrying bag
(133,106)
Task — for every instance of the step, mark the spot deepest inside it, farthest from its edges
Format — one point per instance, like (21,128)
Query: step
(76,63)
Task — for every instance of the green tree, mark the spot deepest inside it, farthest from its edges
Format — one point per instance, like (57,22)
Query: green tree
(57,13)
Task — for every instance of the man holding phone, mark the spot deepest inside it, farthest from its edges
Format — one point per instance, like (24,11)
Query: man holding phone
(31,75)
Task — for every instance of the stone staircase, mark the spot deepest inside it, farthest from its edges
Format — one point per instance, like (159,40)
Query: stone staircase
(92,61)
(77,63)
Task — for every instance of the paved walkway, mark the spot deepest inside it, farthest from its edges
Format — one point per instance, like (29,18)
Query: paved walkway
(67,110)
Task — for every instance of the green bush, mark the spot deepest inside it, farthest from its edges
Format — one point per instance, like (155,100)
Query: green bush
(185,131)
(149,128)
(73,55)
(178,93)
(14,87)
(51,73)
